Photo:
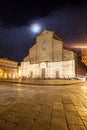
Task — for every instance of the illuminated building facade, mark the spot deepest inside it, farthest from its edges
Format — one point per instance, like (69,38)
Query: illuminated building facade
(84,55)
(49,58)
(8,69)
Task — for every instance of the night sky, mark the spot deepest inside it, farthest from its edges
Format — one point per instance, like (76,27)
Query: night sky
(67,18)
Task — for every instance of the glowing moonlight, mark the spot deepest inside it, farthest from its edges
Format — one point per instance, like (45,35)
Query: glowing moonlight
(35,28)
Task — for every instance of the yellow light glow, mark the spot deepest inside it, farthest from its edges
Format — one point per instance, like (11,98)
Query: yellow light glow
(84,89)
(1,73)
(5,75)
(80,46)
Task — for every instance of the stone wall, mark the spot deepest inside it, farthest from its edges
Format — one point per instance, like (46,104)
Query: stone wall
(44,47)
(68,69)
(68,55)
(33,56)
(63,69)
(57,50)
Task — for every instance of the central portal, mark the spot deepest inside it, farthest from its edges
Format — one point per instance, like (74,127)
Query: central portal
(43,70)
(43,74)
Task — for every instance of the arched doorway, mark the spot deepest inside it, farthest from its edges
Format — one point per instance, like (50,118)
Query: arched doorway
(5,75)
(43,73)
(43,70)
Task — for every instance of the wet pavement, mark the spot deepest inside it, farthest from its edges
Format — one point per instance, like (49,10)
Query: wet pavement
(42,107)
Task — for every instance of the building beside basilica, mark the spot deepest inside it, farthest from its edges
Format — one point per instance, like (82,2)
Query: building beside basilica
(8,69)
(84,55)
(49,58)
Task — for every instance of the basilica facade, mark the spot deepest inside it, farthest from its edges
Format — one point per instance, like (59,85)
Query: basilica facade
(50,58)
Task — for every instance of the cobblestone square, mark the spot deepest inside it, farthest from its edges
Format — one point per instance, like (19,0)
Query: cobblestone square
(43,107)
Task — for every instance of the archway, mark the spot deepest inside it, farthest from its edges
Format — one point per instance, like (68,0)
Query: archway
(1,73)
(43,69)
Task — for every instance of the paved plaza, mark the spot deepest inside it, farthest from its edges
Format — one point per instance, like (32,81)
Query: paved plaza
(43,107)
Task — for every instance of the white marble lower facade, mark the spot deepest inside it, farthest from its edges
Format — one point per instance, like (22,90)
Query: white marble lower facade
(63,69)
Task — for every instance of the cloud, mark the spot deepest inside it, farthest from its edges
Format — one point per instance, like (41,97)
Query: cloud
(68,22)
(18,13)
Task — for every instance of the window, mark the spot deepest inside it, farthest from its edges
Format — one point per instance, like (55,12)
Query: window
(44,46)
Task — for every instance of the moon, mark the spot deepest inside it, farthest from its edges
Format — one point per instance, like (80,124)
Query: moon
(35,28)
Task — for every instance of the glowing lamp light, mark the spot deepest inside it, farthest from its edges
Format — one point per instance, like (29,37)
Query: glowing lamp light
(80,46)
(84,47)
(35,28)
